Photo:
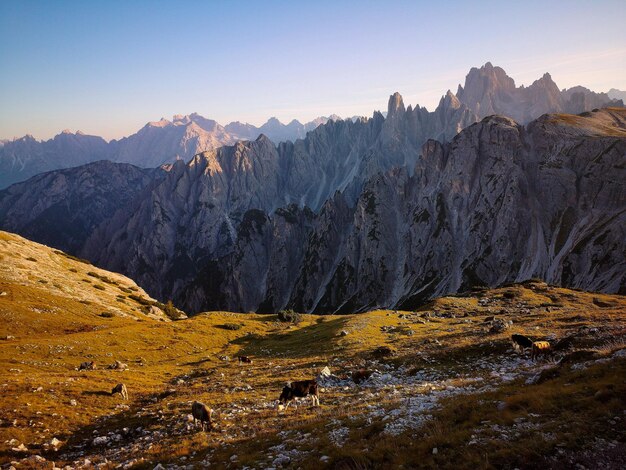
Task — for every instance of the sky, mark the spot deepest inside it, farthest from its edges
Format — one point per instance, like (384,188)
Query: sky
(109,67)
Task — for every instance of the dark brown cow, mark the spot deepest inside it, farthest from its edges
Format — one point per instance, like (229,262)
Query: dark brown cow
(87,365)
(300,389)
(202,413)
(244,360)
(521,342)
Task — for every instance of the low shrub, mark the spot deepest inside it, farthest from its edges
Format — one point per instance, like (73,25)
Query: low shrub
(289,316)
(170,310)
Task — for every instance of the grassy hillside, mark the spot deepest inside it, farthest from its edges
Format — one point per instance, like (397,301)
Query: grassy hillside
(449,394)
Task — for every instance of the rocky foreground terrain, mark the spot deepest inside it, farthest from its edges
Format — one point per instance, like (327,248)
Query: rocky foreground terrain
(445,387)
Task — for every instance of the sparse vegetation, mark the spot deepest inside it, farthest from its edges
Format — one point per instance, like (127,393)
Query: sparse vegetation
(568,410)
(289,316)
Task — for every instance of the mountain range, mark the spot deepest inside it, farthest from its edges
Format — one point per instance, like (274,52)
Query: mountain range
(156,143)
(488,90)
(384,211)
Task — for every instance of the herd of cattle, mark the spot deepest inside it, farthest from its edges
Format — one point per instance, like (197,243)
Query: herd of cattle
(309,388)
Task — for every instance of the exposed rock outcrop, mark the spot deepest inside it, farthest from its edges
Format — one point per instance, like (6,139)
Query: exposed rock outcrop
(499,203)
(62,208)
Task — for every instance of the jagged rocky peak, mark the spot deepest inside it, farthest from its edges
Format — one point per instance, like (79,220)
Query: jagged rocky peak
(273,121)
(160,123)
(395,106)
(396,114)
(489,90)
(484,81)
(449,101)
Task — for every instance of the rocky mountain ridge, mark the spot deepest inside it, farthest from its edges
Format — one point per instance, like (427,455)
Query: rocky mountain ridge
(500,203)
(156,143)
(62,208)
(361,213)
(487,90)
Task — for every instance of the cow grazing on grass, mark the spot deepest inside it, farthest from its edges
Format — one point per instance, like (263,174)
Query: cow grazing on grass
(202,413)
(299,389)
(244,360)
(521,342)
(121,389)
(118,365)
(540,348)
(88,365)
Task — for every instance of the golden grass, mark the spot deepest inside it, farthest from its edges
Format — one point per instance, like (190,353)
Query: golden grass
(174,363)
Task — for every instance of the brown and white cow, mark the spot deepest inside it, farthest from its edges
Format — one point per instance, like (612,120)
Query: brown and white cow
(244,360)
(521,342)
(299,389)
(121,389)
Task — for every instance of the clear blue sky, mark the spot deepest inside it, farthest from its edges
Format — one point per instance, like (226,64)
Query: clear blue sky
(108,67)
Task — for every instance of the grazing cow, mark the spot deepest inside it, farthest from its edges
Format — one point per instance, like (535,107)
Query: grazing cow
(361,375)
(121,389)
(521,342)
(117,365)
(540,348)
(202,413)
(244,359)
(87,365)
(299,389)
